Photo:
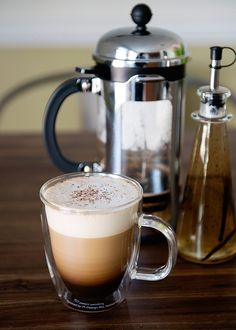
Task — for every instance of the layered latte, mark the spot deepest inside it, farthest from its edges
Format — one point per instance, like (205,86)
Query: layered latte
(91,222)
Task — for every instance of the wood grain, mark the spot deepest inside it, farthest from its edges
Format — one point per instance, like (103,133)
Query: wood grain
(193,297)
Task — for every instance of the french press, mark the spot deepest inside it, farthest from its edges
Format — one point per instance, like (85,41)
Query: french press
(139,77)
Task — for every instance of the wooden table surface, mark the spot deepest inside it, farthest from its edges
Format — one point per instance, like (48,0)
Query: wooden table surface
(193,297)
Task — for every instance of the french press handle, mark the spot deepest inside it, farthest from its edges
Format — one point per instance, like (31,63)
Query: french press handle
(83,83)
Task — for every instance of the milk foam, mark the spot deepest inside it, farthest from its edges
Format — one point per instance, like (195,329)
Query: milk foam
(93,206)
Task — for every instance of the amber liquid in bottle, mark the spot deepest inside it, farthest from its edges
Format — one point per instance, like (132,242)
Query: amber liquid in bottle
(206,230)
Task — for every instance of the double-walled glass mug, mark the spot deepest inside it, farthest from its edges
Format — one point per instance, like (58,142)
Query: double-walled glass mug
(92,225)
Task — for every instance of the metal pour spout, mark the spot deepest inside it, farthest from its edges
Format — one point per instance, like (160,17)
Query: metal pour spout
(216,56)
(213,97)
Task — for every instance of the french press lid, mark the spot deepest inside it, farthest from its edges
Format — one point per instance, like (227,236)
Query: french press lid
(124,52)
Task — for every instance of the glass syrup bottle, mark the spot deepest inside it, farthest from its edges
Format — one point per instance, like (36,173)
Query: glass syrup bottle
(206,230)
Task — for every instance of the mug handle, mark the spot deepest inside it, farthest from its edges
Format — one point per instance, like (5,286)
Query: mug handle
(83,83)
(156,274)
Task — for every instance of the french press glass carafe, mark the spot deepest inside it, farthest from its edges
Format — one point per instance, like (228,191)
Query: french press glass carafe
(139,76)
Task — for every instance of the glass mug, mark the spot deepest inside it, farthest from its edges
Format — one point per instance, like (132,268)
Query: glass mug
(92,226)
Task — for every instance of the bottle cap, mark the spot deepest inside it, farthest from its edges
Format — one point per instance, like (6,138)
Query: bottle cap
(213,97)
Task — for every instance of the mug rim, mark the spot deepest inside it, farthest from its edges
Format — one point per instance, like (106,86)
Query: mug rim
(71,209)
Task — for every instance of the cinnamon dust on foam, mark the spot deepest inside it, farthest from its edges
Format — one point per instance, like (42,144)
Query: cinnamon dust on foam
(91,194)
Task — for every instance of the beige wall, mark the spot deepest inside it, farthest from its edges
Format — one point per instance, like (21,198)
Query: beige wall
(41,38)
(24,112)
(76,23)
